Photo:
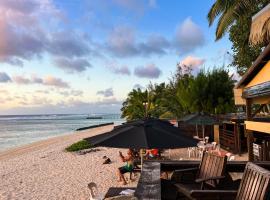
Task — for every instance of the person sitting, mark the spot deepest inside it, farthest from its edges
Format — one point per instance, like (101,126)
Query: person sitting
(128,167)
(152,153)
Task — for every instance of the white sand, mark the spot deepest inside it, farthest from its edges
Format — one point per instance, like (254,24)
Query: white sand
(43,170)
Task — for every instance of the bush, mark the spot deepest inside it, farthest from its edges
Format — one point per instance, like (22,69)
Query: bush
(83,144)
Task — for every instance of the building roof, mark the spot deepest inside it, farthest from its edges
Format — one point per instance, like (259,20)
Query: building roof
(257,65)
(260,27)
(200,119)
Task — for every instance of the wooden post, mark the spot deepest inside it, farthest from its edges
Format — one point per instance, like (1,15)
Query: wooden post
(250,140)
(216,133)
(238,131)
(250,136)
(248,109)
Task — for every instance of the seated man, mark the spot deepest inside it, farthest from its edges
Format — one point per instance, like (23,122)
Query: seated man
(152,153)
(126,168)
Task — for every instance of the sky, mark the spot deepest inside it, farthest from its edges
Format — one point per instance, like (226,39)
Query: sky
(84,56)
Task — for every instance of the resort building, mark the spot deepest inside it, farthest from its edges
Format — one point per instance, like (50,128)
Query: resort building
(253,91)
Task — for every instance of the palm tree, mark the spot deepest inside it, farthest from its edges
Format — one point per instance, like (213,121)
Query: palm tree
(228,11)
(133,107)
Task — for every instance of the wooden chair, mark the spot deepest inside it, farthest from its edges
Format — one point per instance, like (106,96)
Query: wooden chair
(209,174)
(255,185)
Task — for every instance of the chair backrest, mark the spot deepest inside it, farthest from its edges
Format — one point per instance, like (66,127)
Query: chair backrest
(212,165)
(93,190)
(214,145)
(254,184)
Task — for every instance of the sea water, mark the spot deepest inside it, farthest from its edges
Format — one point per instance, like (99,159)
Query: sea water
(17,130)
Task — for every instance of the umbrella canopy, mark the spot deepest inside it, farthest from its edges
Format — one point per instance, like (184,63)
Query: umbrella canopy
(144,134)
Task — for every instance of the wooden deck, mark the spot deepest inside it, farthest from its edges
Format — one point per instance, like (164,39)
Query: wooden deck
(149,185)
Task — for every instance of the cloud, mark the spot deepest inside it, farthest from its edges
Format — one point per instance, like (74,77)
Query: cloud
(155,44)
(148,71)
(21,80)
(22,34)
(4,77)
(134,5)
(68,44)
(71,93)
(192,61)
(123,70)
(188,37)
(122,42)
(5,92)
(72,65)
(138,86)
(108,101)
(42,91)
(106,93)
(36,79)
(57,82)
(26,33)
(47,81)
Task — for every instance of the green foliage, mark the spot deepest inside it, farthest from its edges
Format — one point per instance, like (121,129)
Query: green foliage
(83,144)
(235,17)
(243,53)
(210,92)
(133,107)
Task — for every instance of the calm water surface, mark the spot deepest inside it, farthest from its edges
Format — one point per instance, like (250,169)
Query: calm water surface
(17,130)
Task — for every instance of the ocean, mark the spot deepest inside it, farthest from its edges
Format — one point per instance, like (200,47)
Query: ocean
(17,130)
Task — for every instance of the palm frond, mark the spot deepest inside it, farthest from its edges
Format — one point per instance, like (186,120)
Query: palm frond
(217,8)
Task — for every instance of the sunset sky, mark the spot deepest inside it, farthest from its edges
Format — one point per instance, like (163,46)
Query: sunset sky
(84,56)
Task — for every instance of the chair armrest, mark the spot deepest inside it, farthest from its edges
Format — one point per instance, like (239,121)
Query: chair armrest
(186,170)
(177,175)
(213,194)
(199,180)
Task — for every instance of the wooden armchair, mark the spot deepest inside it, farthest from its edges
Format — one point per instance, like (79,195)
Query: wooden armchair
(255,184)
(209,174)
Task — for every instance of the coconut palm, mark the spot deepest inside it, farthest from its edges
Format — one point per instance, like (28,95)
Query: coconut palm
(227,11)
(133,107)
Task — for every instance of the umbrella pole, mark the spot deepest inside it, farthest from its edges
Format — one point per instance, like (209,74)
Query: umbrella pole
(197,130)
(203,131)
(141,159)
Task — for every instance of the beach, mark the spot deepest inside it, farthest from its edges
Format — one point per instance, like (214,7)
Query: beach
(44,170)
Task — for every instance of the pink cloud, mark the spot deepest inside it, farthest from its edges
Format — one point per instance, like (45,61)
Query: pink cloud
(192,61)
(52,81)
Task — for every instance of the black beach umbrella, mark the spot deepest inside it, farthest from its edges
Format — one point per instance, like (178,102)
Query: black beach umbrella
(144,134)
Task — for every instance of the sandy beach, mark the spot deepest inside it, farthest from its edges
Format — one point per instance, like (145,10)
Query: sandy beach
(43,170)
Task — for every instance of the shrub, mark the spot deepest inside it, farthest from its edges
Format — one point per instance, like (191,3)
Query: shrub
(83,144)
